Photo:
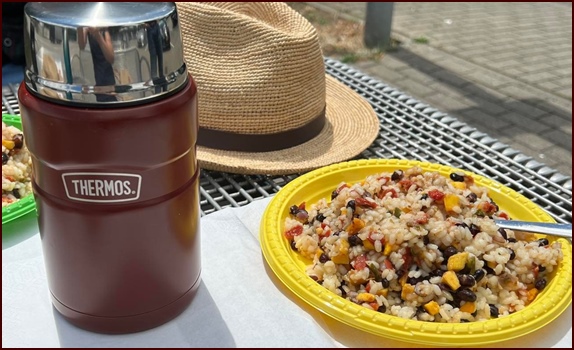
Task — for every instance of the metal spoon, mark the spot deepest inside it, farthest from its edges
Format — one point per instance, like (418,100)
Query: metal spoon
(561,230)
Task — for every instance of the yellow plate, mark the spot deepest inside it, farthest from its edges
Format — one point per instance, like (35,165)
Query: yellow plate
(289,266)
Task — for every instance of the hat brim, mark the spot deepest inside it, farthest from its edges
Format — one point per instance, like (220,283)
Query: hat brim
(351,126)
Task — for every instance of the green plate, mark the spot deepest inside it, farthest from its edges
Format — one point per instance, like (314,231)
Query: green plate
(25,205)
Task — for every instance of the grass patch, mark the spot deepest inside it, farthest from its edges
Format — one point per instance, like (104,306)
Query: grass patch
(421,40)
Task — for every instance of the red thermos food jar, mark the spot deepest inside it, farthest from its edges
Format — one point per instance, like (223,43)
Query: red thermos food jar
(110,117)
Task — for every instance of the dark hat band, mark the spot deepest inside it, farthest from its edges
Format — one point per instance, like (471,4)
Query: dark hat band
(230,141)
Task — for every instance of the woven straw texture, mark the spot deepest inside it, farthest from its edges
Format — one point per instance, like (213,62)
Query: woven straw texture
(259,70)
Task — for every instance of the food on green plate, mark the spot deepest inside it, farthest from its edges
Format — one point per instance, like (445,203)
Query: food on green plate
(16,166)
(420,246)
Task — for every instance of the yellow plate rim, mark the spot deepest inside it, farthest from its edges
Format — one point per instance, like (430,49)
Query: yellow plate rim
(555,298)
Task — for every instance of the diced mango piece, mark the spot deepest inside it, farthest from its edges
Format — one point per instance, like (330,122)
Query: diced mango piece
(491,264)
(531,295)
(368,245)
(366,297)
(459,185)
(457,261)
(388,249)
(469,307)
(340,259)
(407,290)
(450,201)
(384,292)
(8,144)
(355,226)
(451,280)
(432,307)
(344,246)
(343,256)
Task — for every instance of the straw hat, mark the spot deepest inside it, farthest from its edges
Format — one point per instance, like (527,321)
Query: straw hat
(265,103)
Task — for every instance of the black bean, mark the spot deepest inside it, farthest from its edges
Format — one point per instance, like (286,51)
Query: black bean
(292,244)
(397,175)
(496,208)
(512,254)
(18,141)
(456,301)
(324,258)
(16,193)
(351,205)
(334,194)
(426,240)
(400,273)
(493,311)
(540,284)
(542,242)
(424,196)
(412,280)
(472,197)
(465,270)
(436,272)
(541,268)
(456,177)
(462,224)
(489,270)
(503,233)
(382,308)
(444,287)
(354,241)
(512,240)
(320,217)
(293,210)
(466,294)
(4,158)
(479,275)
(385,282)
(466,280)
(474,229)
(448,252)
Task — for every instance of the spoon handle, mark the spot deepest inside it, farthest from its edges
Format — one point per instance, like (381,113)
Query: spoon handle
(561,230)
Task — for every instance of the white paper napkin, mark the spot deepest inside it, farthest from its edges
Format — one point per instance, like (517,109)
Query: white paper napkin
(240,302)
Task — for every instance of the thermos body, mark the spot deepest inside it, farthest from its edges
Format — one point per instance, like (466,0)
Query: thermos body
(115,180)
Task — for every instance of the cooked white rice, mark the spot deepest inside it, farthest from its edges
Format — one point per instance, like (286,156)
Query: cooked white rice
(16,166)
(385,244)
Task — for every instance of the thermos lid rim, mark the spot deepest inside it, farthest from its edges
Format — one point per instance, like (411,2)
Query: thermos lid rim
(103,53)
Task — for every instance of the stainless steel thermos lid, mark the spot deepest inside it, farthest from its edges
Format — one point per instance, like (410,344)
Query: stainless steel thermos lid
(103,53)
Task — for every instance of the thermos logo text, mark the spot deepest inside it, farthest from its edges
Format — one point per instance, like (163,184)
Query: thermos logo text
(102,187)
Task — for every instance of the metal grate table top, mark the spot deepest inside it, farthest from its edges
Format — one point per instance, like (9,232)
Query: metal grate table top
(409,129)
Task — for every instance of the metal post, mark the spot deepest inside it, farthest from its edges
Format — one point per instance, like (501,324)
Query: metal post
(378,25)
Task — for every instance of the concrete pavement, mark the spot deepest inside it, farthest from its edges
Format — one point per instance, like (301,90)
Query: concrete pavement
(504,68)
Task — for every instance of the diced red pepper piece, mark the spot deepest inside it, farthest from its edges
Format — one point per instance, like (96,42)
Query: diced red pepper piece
(374,305)
(504,215)
(360,262)
(389,265)
(405,184)
(302,206)
(362,202)
(388,190)
(295,231)
(436,195)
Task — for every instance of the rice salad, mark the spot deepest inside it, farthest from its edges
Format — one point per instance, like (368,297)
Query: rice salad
(16,166)
(420,246)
